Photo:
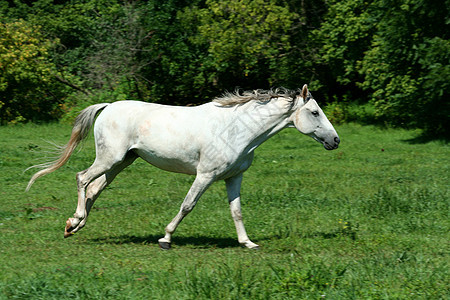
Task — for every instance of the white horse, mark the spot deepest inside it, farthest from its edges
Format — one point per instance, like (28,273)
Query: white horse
(213,141)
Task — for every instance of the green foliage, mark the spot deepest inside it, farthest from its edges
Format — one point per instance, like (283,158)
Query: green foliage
(173,62)
(336,112)
(345,35)
(28,89)
(403,64)
(246,40)
(339,112)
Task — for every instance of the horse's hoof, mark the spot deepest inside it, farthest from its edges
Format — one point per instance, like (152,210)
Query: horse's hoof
(164,245)
(67,230)
(250,245)
(68,234)
(252,248)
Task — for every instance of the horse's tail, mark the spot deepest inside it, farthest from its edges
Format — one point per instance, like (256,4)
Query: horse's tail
(80,130)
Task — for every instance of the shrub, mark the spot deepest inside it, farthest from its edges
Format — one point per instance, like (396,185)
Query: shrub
(29,90)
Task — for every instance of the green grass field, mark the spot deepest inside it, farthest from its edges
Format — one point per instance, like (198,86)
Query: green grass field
(369,220)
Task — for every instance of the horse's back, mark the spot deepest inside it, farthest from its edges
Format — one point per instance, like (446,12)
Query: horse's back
(142,116)
(169,137)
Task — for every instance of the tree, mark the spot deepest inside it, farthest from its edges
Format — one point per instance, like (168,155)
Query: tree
(394,54)
(407,67)
(246,42)
(345,35)
(29,90)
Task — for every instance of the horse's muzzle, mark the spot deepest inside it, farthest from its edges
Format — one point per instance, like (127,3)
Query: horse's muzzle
(333,145)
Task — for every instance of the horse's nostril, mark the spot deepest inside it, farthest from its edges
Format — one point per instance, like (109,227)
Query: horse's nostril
(337,140)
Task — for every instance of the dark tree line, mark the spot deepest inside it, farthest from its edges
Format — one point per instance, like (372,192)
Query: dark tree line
(383,60)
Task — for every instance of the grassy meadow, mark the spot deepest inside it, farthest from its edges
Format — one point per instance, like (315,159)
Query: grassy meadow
(369,220)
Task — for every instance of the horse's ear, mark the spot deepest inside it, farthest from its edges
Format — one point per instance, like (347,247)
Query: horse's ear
(305,93)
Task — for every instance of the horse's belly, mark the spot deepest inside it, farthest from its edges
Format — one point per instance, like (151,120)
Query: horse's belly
(168,162)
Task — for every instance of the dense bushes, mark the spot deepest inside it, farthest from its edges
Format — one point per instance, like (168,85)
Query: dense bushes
(390,56)
(28,89)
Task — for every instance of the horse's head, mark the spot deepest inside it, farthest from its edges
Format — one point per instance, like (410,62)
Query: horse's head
(309,119)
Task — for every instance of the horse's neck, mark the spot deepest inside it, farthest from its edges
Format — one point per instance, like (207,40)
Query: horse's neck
(255,122)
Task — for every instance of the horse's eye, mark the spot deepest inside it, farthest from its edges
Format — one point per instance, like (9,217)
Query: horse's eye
(315,113)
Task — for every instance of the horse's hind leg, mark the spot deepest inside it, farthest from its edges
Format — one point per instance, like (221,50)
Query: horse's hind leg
(93,190)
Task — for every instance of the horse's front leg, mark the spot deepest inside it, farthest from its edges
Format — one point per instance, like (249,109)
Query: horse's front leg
(201,183)
(234,190)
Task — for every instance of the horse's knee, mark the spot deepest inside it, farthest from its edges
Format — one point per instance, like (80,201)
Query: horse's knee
(187,208)
(236,214)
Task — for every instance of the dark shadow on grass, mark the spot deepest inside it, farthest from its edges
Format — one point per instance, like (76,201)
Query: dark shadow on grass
(210,242)
(198,241)
(426,138)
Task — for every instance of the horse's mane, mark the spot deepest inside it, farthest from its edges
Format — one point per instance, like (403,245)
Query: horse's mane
(236,98)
